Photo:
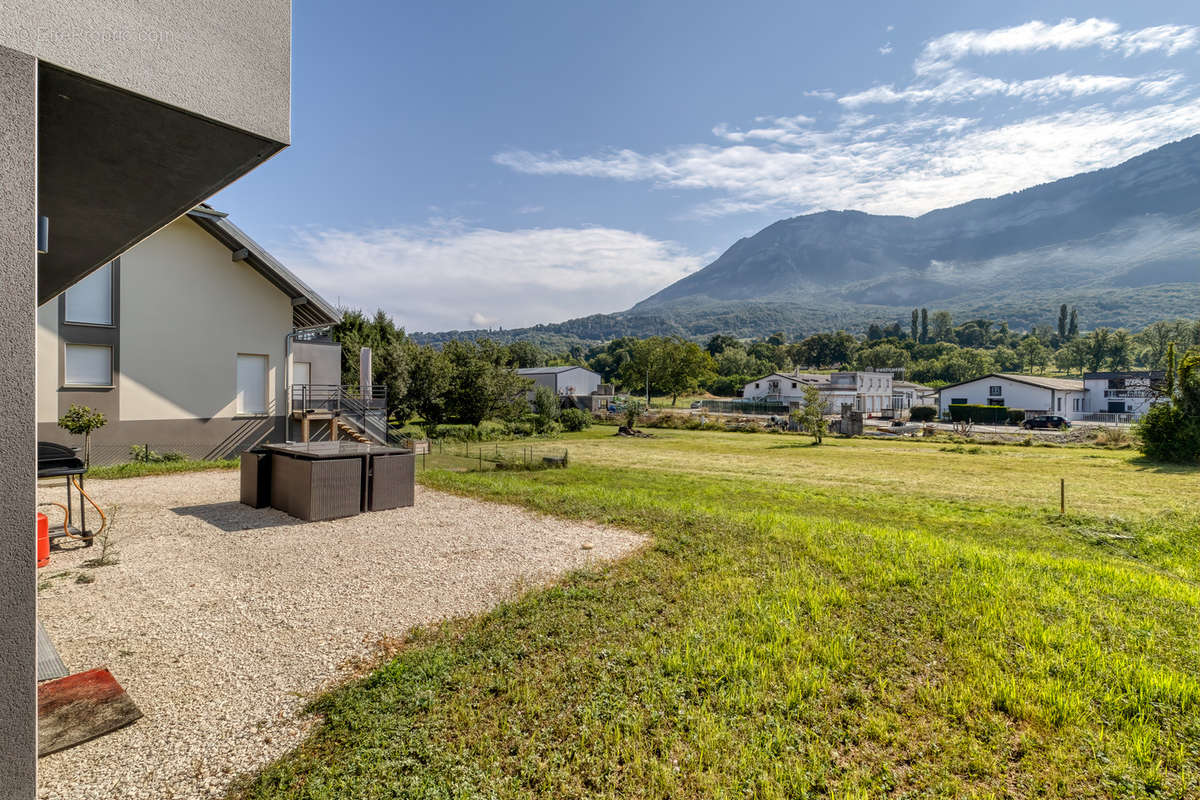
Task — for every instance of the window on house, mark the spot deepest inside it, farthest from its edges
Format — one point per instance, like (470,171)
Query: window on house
(1077,403)
(1059,404)
(87,365)
(959,401)
(251,384)
(90,300)
(756,386)
(995,391)
(995,401)
(793,384)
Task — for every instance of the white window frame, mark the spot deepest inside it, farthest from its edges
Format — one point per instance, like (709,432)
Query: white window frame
(107,269)
(239,410)
(67,384)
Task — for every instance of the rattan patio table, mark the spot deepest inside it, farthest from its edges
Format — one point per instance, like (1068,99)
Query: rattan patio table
(326,480)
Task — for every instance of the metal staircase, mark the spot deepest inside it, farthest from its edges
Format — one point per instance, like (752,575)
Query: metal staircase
(360,413)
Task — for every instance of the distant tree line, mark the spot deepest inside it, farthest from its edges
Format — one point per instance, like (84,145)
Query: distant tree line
(470,380)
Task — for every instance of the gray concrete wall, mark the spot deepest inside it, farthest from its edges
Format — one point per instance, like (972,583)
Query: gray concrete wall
(18,596)
(228,60)
(326,360)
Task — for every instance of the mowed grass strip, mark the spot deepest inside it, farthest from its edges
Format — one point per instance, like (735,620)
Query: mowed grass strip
(791,639)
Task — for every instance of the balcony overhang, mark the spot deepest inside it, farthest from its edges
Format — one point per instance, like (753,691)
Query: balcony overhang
(114,167)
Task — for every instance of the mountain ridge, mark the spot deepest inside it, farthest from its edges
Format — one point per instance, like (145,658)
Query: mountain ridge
(1120,242)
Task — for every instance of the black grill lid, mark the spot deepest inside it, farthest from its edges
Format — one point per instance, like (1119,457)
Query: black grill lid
(55,459)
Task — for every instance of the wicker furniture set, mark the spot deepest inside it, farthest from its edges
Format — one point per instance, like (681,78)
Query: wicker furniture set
(327,480)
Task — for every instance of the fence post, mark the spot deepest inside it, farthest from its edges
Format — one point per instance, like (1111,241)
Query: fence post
(1062,496)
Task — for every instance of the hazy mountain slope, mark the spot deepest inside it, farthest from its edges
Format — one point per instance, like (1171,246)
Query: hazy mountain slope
(1122,244)
(1135,224)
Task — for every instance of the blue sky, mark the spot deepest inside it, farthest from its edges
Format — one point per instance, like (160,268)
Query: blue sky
(472,165)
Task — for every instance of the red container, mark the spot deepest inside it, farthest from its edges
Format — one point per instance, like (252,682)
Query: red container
(43,540)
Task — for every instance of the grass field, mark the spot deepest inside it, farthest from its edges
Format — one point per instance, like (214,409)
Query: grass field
(861,619)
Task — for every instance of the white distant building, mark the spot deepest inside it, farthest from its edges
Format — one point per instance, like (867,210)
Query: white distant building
(563,381)
(1033,393)
(1126,394)
(906,394)
(869,392)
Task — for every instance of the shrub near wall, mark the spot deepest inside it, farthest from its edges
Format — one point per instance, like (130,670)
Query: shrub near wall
(922,413)
(984,415)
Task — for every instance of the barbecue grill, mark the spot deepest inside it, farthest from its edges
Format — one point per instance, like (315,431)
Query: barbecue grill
(59,461)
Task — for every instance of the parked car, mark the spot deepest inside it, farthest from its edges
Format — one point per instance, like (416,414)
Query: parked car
(1045,421)
(697,404)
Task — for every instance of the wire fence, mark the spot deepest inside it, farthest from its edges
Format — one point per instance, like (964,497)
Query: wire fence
(430,454)
(754,407)
(109,454)
(485,456)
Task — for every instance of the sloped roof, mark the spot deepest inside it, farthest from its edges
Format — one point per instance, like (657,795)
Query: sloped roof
(553,370)
(1057,384)
(309,309)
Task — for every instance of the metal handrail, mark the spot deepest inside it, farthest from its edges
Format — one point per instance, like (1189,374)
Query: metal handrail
(363,407)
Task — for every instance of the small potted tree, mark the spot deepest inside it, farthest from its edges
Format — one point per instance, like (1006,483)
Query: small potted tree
(82,420)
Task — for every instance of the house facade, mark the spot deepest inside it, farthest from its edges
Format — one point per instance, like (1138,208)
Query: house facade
(1124,394)
(868,392)
(187,342)
(1036,395)
(906,394)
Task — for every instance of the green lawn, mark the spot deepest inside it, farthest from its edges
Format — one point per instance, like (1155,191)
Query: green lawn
(138,469)
(861,619)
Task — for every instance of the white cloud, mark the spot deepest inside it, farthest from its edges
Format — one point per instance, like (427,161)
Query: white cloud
(446,275)
(941,79)
(1069,34)
(909,156)
(906,167)
(958,86)
(886,49)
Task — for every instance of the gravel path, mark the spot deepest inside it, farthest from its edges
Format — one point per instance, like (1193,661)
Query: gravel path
(221,620)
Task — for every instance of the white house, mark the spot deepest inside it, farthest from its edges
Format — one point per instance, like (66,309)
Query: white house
(1035,394)
(563,381)
(869,392)
(906,394)
(187,341)
(1129,393)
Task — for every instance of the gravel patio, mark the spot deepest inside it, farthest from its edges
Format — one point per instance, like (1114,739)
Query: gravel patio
(221,620)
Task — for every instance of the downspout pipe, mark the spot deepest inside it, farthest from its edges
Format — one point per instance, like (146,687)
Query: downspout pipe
(287,387)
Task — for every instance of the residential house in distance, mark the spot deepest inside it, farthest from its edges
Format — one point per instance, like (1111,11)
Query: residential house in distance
(1128,395)
(906,394)
(868,392)
(187,342)
(1035,394)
